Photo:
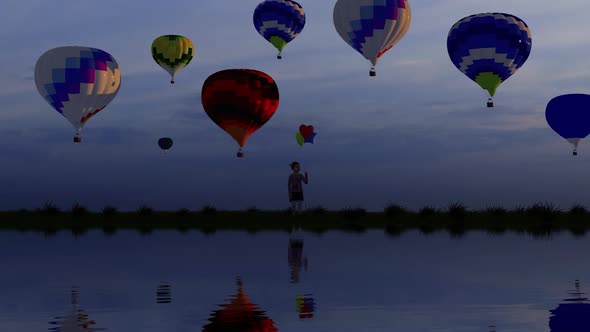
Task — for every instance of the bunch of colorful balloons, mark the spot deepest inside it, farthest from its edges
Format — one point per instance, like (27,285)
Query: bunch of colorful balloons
(305,134)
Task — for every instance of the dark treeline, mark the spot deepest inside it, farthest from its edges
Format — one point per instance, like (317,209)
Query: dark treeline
(539,219)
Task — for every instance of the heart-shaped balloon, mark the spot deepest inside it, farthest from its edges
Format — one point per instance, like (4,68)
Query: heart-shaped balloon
(305,131)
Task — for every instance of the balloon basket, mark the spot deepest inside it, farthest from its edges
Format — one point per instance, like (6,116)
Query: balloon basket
(171,81)
(575,153)
(240,154)
(77,139)
(490,103)
(279,57)
(372,73)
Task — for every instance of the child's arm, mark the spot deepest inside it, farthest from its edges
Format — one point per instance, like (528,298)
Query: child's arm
(305,178)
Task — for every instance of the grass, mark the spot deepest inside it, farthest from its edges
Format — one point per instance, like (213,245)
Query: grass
(50,209)
(457,211)
(426,212)
(316,211)
(183,212)
(394,210)
(145,211)
(109,211)
(578,210)
(539,219)
(79,210)
(208,210)
(252,210)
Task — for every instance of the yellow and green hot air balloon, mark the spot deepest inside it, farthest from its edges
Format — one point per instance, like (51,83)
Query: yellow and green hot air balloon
(172,52)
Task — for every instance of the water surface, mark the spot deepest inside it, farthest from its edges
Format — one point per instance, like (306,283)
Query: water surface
(167,281)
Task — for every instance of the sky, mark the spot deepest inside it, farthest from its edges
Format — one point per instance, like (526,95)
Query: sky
(417,134)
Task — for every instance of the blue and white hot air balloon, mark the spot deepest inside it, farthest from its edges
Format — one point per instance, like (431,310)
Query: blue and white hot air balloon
(77,82)
(372,27)
(279,22)
(569,116)
(489,47)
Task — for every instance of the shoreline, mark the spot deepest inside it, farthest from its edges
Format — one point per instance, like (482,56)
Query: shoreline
(536,220)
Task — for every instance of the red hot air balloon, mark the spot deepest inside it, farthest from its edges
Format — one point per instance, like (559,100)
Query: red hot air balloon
(240,101)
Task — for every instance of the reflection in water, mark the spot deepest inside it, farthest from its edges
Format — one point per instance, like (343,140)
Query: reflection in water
(573,315)
(76,321)
(163,293)
(239,315)
(295,256)
(305,305)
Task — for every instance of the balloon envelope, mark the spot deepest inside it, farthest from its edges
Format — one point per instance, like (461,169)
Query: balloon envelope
(240,101)
(309,139)
(279,21)
(372,27)
(489,47)
(299,138)
(305,130)
(77,82)
(165,143)
(569,116)
(173,53)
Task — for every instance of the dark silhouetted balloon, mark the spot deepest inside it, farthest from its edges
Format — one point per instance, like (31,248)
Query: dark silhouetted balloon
(165,143)
(569,116)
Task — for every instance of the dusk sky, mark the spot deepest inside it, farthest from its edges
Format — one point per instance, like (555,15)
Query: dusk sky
(417,134)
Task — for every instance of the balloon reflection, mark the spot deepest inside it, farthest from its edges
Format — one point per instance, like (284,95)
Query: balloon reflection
(305,305)
(163,293)
(76,321)
(239,315)
(573,315)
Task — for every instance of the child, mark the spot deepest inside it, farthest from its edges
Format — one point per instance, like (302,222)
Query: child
(295,187)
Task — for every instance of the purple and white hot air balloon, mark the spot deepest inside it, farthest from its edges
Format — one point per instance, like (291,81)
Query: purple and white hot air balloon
(77,82)
(372,27)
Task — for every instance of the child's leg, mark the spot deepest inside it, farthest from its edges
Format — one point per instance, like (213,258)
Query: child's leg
(294,205)
(300,205)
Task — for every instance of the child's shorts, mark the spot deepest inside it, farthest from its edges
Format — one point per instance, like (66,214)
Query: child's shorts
(296,196)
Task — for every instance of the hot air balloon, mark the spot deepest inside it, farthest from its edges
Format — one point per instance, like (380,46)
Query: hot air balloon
(573,315)
(173,53)
(165,143)
(305,134)
(240,101)
(240,315)
(279,21)
(372,27)
(489,47)
(569,116)
(78,82)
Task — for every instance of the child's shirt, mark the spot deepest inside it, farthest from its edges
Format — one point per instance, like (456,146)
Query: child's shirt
(295,182)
